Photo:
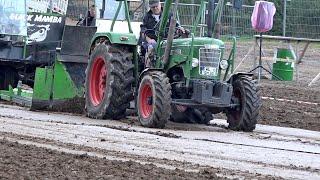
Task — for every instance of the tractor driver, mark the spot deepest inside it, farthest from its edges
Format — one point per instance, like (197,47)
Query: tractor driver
(151,23)
(90,16)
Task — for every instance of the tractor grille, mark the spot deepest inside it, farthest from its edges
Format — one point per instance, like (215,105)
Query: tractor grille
(209,60)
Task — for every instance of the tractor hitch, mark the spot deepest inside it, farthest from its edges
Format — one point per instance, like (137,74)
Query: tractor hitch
(208,93)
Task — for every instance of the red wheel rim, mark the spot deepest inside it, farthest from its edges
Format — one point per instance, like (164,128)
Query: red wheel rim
(146,100)
(98,79)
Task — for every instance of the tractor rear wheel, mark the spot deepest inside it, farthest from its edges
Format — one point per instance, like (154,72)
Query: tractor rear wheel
(8,76)
(245,116)
(154,100)
(191,115)
(108,86)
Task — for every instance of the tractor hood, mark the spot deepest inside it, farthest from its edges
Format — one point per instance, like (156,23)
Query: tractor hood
(202,49)
(199,41)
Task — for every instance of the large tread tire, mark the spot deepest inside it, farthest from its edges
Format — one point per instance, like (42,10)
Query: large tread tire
(154,100)
(8,76)
(2,78)
(245,116)
(118,91)
(191,115)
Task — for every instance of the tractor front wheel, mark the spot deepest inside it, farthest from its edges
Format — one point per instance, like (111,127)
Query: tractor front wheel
(244,117)
(154,100)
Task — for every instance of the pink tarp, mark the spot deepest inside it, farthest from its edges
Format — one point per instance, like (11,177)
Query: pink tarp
(262,16)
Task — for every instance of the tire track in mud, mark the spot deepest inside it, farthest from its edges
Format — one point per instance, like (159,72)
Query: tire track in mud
(264,147)
(292,91)
(94,152)
(121,128)
(291,101)
(165,134)
(87,151)
(129,128)
(21,161)
(82,152)
(246,162)
(183,148)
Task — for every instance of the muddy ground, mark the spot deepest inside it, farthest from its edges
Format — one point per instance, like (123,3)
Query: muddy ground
(30,162)
(21,161)
(37,145)
(297,107)
(288,104)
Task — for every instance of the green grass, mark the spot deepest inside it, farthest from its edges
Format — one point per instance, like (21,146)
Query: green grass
(315,45)
(239,39)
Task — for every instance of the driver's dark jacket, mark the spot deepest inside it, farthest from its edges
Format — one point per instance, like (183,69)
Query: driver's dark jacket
(149,22)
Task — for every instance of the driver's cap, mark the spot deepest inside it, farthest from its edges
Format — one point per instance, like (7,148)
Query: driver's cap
(153,3)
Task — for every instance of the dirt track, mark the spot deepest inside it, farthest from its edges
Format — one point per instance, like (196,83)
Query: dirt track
(32,162)
(290,106)
(209,151)
(287,104)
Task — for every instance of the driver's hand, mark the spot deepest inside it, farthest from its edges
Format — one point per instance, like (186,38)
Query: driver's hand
(181,29)
(151,41)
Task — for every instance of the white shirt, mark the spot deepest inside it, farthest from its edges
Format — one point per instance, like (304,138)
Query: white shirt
(157,17)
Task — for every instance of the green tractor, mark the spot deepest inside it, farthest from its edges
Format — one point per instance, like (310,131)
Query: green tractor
(187,82)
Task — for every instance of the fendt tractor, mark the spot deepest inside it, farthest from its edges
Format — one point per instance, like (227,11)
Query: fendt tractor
(103,70)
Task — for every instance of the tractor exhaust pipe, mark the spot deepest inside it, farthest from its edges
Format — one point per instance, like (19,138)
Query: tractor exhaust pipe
(171,32)
(210,19)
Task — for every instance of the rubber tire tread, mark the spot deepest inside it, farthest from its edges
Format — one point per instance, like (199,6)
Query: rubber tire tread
(161,100)
(8,76)
(119,84)
(251,104)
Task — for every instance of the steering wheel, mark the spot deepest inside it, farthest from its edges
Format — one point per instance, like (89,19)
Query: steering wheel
(177,33)
(154,33)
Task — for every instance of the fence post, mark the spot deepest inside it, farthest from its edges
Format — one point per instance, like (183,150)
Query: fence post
(233,21)
(284,18)
(146,6)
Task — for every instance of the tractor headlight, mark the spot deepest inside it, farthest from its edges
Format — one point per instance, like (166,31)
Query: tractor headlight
(195,62)
(224,64)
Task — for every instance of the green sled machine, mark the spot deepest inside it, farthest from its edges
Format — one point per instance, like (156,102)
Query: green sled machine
(42,60)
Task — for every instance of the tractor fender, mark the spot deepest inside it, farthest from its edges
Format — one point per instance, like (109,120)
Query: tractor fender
(117,38)
(105,38)
(148,70)
(235,76)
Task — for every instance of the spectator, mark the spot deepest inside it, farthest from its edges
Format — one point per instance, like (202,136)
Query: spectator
(149,27)
(90,17)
